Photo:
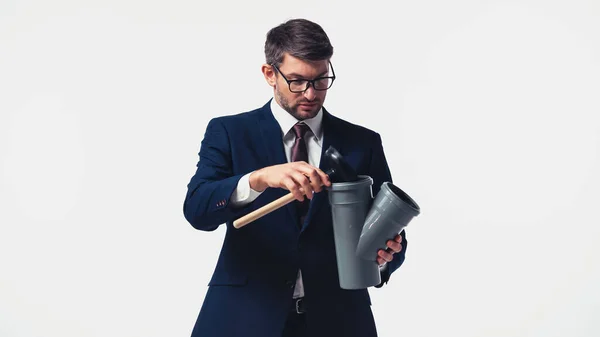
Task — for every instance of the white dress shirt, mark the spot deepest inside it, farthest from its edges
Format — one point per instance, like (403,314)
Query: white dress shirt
(243,194)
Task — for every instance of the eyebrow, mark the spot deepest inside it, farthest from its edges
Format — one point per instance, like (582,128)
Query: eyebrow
(304,78)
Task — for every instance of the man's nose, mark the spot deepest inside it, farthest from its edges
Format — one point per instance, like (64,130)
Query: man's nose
(310,93)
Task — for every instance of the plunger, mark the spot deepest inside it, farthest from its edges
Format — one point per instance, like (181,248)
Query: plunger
(340,171)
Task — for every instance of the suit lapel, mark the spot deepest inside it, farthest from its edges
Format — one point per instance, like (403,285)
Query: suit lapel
(331,137)
(270,133)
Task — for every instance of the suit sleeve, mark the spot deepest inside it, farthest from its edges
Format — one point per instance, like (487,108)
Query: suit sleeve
(380,172)
(207,202)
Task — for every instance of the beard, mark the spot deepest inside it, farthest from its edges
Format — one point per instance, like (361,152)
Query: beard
(295,110)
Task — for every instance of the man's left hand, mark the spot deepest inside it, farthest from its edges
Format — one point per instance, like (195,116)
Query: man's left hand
(394,246)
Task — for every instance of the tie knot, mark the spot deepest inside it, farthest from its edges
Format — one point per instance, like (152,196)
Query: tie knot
(300,129)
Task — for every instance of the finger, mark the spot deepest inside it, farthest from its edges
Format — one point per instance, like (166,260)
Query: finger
(380,261)
(394,246)
(313,176)
(290,184)
(387,256)
(324,177)
(303,182)
(315,180)
(398,238)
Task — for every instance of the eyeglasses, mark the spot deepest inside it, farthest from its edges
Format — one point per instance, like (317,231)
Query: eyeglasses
(319,83)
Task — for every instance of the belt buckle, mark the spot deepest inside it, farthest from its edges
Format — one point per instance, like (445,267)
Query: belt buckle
(298,306)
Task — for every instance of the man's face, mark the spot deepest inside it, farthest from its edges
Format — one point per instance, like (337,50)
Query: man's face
(300,105)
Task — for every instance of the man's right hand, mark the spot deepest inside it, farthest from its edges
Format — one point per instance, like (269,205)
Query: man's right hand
(300,178)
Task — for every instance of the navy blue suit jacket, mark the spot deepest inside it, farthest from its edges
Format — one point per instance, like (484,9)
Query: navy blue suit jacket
(251,289)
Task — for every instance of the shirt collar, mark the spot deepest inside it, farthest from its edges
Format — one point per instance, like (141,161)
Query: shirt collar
(287,121)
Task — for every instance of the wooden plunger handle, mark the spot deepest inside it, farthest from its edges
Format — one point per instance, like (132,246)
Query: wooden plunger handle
(270,207)
(266,209)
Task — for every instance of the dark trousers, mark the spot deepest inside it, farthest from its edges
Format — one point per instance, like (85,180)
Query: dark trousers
(295,325)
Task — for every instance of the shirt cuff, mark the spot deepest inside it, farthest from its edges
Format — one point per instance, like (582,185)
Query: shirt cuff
(243,194)
(385,275)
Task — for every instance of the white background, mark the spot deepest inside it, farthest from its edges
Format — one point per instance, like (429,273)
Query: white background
(488,112)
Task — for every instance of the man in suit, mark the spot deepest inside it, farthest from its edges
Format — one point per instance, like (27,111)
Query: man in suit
(278,275)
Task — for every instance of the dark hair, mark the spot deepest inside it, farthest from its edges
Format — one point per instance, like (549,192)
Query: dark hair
(300,38)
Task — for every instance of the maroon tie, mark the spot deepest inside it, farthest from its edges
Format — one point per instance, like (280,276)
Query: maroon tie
(300,153)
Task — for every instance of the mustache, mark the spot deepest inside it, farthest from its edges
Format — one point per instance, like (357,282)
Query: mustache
(304,101)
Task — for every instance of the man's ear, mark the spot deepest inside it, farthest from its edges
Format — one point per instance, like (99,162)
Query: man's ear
(269,73)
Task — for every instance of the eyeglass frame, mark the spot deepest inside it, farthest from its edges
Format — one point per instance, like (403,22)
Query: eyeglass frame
(309,83)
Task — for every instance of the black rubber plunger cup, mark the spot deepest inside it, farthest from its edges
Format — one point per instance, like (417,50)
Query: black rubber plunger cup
(340,171)
(350,198)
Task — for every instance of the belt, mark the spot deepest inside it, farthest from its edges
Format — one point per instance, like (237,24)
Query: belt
(299,306)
